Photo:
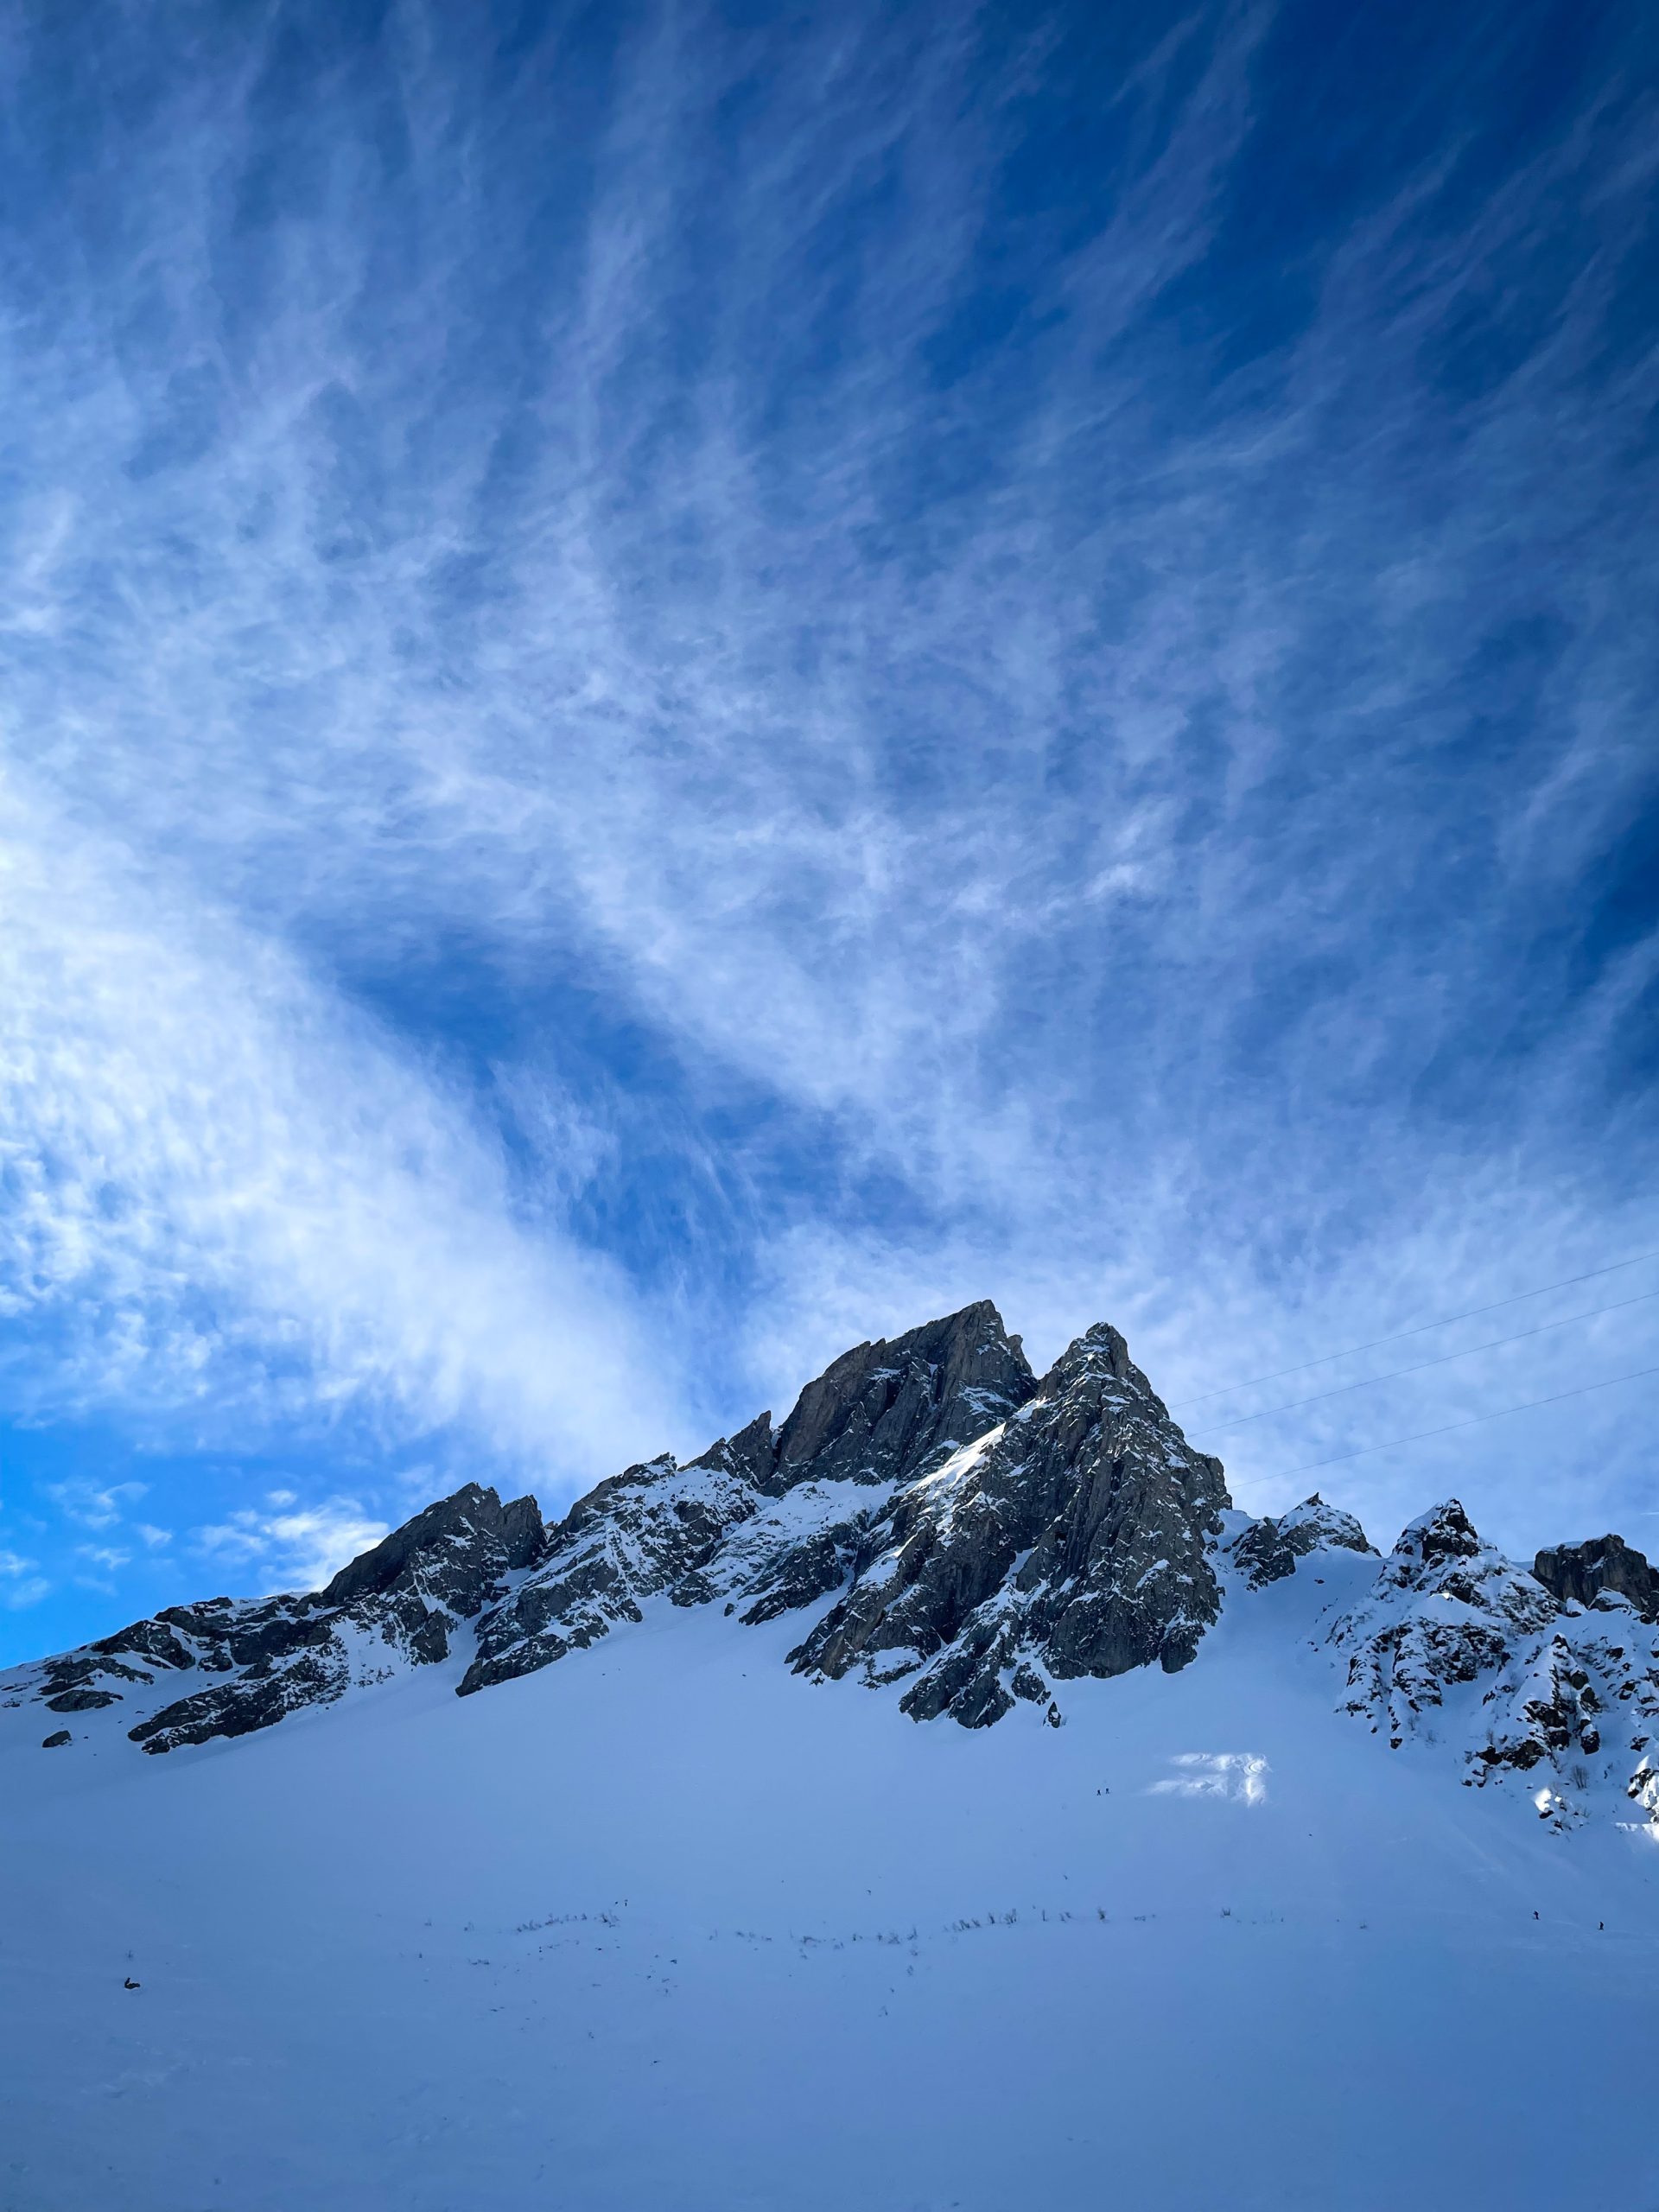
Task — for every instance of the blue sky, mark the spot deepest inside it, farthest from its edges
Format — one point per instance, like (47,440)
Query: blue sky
(680,684)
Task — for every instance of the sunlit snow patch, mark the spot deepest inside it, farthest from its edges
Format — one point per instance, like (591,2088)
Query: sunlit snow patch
(1237,1775)
(1644,1789)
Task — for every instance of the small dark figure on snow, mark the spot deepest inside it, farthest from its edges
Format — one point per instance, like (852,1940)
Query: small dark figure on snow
(130,1984)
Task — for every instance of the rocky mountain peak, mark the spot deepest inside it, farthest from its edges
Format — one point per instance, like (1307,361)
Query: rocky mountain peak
(244,1664)
(946,1523)
(980,1527)
(1444,1532)
(1099,1347)
(445,1547)
(1268,1549)
(877,1412)
(1073,1537)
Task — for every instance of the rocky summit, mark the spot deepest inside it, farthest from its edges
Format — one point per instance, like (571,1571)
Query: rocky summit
(949,1525)
(1268,1549)
(1073,1537)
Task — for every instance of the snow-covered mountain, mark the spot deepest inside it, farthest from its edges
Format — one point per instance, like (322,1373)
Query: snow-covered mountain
(939,1519)
(1219,1787)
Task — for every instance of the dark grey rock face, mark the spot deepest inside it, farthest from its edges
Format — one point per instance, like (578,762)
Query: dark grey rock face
(1444,1608)
(56,1740)
(254,1699)
(768,1519)
(405,1598)
(1073,1536)
(639,1534)
(1268,1549)
(1579,1573)
(882,1410)
(794,1575)
(992,1537)
(450,1554)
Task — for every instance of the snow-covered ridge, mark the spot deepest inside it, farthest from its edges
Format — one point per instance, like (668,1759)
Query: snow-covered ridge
(406,1603)
(947,1524)
(1457,1645)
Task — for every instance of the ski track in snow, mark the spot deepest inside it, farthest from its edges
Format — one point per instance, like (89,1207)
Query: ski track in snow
(668,1927)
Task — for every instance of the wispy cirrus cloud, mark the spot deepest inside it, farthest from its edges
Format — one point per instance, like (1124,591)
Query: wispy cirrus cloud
(225,1194)
(678,697)
(103,1559)
(93,1504)
(20,1585)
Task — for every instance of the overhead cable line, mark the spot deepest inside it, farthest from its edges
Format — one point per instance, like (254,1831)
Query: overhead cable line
(1440,1360)
(1420,1329)
(1473,1422)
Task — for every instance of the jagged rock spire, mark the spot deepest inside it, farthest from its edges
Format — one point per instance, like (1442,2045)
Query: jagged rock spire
(1567,1685)
(1073,1537)
(880,1411)
(989,1529)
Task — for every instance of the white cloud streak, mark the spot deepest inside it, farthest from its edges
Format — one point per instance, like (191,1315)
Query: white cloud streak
(297,1549)
(20,1587)
(226,1193)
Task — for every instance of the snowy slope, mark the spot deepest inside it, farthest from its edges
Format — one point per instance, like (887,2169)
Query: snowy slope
(671,1926)
(1349,1902)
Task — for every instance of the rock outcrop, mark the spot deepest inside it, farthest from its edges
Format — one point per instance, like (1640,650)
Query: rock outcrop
(1455,1641)
(1581,1572)
(1268,1549)
(398,1605)
(766,1520)
(1073,1538)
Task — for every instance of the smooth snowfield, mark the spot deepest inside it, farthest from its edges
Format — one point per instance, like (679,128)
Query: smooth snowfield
(666,1926)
